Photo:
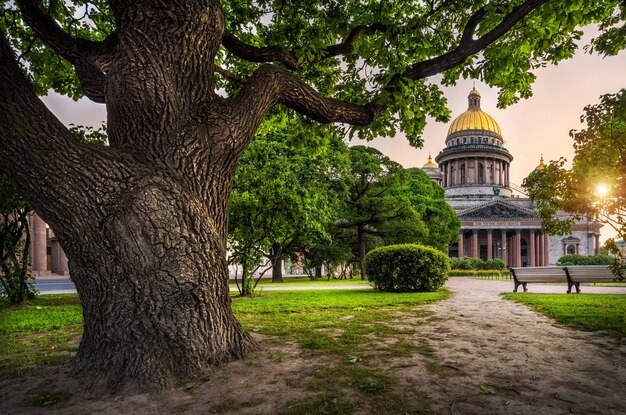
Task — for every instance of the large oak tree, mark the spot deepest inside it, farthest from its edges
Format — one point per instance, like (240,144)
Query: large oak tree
(186,84)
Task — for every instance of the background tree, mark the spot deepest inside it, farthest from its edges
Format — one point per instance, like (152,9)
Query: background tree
(144,221)
(595,185)
(15,277)
(441,222)
(283,198)
(378,208)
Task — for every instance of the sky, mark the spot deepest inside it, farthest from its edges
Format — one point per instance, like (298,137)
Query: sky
(537,126)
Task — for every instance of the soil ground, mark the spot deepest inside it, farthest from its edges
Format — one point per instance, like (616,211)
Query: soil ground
(479,354)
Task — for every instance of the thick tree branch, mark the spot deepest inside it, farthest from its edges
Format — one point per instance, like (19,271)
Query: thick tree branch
(270,85)
(347,45)
(467,46)
(262,55)
(90,59)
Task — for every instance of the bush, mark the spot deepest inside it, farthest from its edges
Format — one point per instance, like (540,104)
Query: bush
(495,264)
(468,263)
(576,259)
(479,273)
(407,267)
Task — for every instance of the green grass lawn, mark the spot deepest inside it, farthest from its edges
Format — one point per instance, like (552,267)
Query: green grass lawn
(47,329)
(306,281)
(585,311)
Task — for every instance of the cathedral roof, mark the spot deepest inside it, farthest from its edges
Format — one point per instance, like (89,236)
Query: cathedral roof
(430,164)
(541,165)
(474,118)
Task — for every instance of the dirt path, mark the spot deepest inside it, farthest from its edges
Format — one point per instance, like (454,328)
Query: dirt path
(497,356)
(475,354)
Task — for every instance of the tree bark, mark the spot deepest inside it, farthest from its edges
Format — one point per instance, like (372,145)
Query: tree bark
(143,222)
(277,262)
(361,242)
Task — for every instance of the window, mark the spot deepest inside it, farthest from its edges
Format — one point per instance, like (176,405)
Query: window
(492,141)
(453,175)
(464,140)
(463,174)
(571,249)
(481,173)
(491,173)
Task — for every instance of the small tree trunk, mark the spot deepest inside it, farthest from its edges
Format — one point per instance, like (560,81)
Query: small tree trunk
(277,262)
(361,239)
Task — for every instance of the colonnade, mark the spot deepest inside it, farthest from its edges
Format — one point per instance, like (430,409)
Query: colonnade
(519,247)
(486,170)
(39,249)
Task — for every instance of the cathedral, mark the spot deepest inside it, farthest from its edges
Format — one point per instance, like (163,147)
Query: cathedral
(473,168)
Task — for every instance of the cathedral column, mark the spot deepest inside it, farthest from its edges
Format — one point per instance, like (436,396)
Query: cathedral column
(546,250)
(485,172)
(489,245)
(474,243)
(500,172)
(504,251)
(540,261)
(531,248)
(518,248)
(476,170)
(597,247)
(457,173)
(39,254)
(447,178)
(461,253)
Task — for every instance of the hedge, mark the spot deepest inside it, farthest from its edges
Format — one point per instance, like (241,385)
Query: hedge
(407,267)
(576,259)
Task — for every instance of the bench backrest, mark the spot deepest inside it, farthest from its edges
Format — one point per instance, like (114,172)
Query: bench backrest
(540,274)
(590,273)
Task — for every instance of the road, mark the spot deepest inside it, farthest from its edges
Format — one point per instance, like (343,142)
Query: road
(59,285)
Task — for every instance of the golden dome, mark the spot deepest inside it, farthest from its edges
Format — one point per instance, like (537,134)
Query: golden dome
(429,164)
(474,118)
(541,166)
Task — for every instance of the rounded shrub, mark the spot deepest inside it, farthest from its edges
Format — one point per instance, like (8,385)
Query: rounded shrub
(407,267)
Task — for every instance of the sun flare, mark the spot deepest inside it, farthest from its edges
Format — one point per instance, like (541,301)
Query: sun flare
(602,189)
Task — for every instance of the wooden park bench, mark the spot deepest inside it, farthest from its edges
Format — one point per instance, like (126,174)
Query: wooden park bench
(572,275)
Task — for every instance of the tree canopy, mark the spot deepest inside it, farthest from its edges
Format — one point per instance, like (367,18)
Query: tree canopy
(375,55)
(283,198)
(595,185)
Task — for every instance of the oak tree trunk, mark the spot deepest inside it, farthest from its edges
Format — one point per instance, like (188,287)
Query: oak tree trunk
(143,221)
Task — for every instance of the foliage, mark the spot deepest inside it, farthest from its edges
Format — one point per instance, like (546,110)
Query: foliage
(283,198)
(15,278)
(401,34)
(468,263)
(375,206)
(576,259)
(407,267)
(483,273)
(596,184)
(588,312)
(441,223)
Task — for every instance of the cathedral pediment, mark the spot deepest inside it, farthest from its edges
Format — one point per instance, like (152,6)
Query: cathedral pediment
(496,210)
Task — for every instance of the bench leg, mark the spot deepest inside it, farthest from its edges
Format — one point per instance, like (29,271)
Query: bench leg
(517,284)
(524,285)
(577,288)
(569,286)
